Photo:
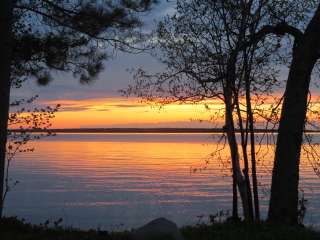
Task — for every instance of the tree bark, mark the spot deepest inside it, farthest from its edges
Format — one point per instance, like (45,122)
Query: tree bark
(248,61)
(253,153)
(235,214)
(235,161)
(244,146)
(6,7)
(285,179)
(228,90)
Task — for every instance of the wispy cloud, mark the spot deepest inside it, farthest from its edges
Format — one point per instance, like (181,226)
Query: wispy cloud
(95,104)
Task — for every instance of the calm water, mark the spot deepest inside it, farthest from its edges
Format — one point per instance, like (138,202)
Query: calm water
(119,181)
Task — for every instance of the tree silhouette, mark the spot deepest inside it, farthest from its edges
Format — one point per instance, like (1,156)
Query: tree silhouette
(202,48)
(23,118)
(192,57)
(40,37)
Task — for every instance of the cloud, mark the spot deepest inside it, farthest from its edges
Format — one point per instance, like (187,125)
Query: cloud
(128,105)
(169,124)
(95,104)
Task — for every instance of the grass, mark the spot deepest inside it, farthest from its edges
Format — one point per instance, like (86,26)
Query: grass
(14,229)
(246,231)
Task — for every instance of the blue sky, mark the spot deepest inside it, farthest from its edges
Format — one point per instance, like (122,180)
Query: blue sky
(111,80)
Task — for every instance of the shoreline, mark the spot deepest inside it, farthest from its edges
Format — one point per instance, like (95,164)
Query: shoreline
(142,130)
(12,228)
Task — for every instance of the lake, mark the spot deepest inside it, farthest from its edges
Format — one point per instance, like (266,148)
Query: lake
(117,181)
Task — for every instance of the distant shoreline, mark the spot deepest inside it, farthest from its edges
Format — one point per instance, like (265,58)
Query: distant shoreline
(142,130)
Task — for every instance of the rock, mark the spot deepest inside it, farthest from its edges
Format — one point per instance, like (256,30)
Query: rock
(158,229)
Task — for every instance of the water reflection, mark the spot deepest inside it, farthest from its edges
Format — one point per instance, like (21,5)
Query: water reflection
(107,180)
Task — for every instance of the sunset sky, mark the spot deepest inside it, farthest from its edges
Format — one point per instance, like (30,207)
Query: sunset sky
(123,112)
(99,104)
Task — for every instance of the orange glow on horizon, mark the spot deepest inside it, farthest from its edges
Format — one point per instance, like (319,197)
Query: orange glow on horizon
(122,112)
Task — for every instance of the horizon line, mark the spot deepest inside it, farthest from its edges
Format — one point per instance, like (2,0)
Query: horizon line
(144,130)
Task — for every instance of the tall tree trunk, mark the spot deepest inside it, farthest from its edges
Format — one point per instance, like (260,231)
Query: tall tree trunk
(235,161)
(248,61)
(6,7)
(228,90)
(253,152)
(235,214)
(285,179)
(244,144)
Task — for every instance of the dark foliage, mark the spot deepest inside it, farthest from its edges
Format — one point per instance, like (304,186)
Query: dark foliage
(72,36)
(42,37)
(14,229)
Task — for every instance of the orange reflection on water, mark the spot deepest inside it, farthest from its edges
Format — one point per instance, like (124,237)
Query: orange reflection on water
(154,155)
(121,176)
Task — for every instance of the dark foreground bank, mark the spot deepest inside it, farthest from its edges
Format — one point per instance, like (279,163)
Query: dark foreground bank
(14,229)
